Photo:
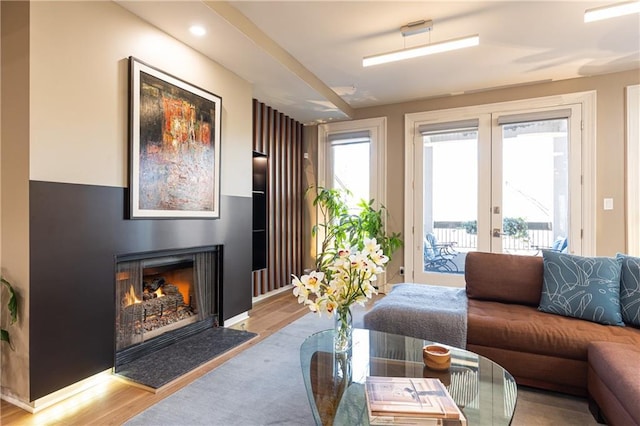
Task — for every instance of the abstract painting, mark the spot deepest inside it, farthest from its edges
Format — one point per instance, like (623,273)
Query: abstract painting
(174,146)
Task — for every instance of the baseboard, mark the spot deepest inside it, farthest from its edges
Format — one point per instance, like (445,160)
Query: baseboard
(272,293)
(60,395)
(235,320)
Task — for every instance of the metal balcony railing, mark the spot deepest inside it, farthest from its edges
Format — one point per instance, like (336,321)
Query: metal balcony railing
(540,235)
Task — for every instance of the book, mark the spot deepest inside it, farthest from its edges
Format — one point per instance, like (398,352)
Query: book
(414,421)
(410,401)
(404,421)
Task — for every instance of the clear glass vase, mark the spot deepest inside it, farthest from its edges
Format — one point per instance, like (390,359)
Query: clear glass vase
(342,329)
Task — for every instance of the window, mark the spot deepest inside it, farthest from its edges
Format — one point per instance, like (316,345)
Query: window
(351,156)
(349,164)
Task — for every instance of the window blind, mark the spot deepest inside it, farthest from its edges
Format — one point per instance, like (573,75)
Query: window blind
(528,117)
(345,138)
(448,127)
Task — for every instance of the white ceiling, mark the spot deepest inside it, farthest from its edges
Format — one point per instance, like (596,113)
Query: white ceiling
(304,58)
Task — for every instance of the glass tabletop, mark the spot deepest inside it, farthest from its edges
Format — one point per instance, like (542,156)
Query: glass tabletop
(485,392)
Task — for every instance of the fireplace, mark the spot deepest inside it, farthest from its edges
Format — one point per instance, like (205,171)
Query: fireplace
(163,297)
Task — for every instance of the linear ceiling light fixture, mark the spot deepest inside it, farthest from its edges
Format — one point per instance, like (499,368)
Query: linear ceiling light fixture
(419,27)
(611,11)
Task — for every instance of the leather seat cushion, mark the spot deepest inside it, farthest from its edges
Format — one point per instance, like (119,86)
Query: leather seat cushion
(525,329)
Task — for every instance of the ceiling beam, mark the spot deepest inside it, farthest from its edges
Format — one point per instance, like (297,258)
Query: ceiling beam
(266,43)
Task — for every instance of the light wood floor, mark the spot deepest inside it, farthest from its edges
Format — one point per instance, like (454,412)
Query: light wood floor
(117,401)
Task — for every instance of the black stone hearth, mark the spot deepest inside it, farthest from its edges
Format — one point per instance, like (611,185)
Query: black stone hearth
(162,367)
(130,354)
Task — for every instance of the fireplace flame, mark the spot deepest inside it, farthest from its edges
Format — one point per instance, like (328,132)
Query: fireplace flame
(130,298)
(159,292)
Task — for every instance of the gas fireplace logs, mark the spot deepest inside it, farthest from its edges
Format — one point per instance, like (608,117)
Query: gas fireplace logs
(161,304)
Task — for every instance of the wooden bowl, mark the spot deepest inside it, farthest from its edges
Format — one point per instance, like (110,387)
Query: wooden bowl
(436,357)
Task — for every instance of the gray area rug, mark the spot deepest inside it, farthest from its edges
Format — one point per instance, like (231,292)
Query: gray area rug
(263,386)
(260,386)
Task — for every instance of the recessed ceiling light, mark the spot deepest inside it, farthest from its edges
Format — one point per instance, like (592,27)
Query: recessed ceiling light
(197,30)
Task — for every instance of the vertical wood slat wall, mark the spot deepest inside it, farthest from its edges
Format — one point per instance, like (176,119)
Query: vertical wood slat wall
(281,139)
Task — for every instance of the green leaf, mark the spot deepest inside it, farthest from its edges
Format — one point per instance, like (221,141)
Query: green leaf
(515,227)
(4,336)
(12,304)
(343,228)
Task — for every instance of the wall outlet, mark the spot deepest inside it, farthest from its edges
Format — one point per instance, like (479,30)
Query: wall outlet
(402,270)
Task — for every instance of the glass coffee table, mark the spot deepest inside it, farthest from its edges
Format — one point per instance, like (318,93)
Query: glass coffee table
(485,392)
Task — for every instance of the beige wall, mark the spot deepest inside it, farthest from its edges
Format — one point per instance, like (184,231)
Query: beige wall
(610,143)
(14,157)
(65,75)
(79,89)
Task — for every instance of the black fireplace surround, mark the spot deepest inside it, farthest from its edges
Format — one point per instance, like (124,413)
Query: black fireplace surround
(76,233)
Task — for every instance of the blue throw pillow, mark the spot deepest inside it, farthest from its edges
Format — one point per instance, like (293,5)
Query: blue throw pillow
(630,289)
(582,287)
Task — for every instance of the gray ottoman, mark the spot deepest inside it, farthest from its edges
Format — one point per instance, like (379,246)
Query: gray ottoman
(428,312)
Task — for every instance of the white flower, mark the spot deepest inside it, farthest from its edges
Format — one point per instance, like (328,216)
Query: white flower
(378,258)
(312,281)
(331,306)
(299,290)
(371,246)
(313,306)
(345,278)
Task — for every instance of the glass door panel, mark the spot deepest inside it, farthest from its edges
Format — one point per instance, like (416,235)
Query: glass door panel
(449,200)
(531,206)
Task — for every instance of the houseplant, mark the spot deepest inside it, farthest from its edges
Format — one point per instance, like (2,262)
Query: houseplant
(353,252)
(340,227)
(12,305)
(515,227)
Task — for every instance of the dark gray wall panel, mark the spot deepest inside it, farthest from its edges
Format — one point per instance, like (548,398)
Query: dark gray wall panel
(75,232)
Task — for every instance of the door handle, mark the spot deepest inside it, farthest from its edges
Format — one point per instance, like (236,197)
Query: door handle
(496,233)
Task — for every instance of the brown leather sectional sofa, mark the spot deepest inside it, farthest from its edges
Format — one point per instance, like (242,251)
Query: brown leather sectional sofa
(545,350)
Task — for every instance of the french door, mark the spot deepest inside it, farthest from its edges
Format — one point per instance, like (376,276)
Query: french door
(505,181)
(351,156)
